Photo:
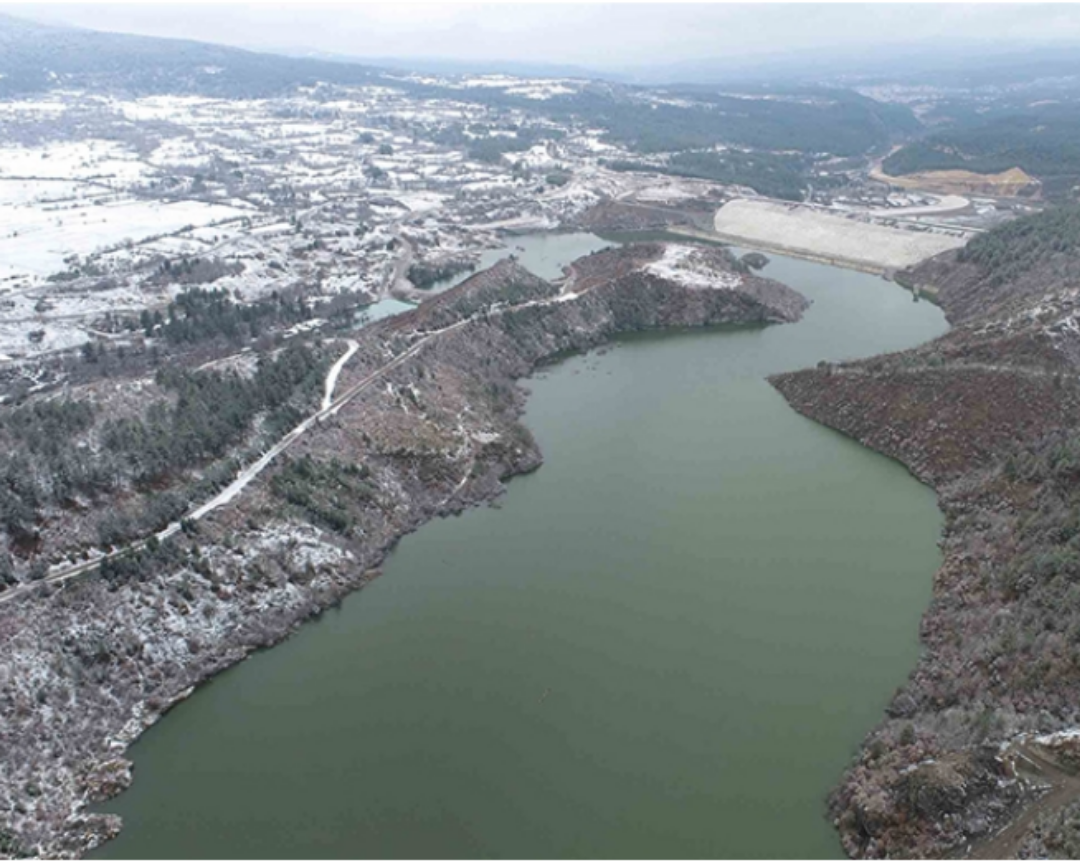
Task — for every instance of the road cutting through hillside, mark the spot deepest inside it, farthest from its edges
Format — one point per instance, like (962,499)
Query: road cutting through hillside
(328,407)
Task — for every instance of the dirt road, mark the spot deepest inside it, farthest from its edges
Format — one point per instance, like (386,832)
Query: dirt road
(329,407)
(1036,763)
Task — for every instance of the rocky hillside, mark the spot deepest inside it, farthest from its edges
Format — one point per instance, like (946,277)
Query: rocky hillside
(426,423)
(1008,266)
(989,415)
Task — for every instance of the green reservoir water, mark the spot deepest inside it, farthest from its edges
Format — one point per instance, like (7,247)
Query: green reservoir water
(543,254)
(667,642)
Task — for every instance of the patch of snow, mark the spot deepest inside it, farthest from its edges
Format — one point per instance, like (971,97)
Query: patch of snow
(687,266)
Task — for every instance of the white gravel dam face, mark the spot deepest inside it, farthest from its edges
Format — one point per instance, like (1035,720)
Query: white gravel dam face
(829,236)
(667,642)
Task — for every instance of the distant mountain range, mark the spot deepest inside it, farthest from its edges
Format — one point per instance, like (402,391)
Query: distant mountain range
(956,64)
(449,67)
(37,56)
(797,103)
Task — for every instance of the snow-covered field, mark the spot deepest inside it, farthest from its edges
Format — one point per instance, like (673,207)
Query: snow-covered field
(35,239)
(73,160)
(45,192)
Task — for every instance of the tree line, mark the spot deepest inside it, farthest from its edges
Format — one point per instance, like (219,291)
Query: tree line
(1017,247)
(1044,142)
(201,314)
(54,456)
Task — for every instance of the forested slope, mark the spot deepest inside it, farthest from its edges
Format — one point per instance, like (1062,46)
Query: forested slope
(989,416)
(1025,258)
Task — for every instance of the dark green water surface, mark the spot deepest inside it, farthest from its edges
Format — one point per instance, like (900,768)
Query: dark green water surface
(667,642)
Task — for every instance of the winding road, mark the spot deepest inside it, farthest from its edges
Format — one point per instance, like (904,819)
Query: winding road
(328,407)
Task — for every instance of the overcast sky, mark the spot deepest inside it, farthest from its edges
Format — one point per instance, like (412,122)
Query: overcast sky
(601,36)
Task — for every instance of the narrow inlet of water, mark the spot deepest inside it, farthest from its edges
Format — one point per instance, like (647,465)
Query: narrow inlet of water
(542,254)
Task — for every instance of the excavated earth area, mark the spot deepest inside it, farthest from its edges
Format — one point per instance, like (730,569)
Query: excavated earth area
(1009,183)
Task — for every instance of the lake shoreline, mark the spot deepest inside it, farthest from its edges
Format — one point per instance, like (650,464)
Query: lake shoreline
(983,724)
(291,591)
(863,293)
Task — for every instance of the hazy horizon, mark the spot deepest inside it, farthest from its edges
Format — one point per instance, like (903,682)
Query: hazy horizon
(602,37)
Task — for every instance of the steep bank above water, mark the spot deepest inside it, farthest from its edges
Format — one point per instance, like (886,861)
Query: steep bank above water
(1010,267)
(987,415)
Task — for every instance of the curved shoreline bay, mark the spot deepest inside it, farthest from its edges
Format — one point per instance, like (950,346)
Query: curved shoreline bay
(667,642)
